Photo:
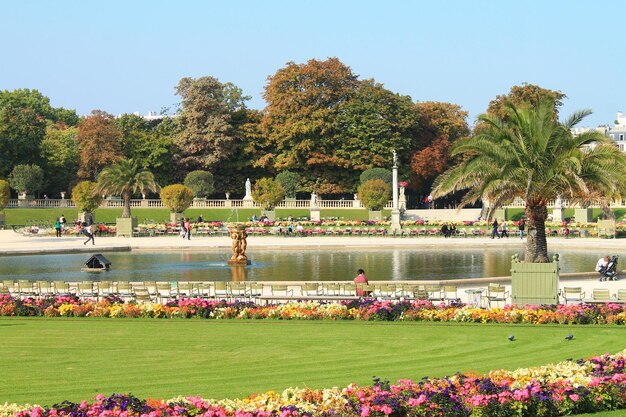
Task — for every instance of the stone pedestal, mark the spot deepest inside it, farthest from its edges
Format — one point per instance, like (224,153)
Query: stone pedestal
(126,226)
(395,220)
(558,214)
(248,201)
(315,215)
(239,244)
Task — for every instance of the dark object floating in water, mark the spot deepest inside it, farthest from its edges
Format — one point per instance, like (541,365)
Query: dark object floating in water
(511,338)
(97,263)
(569,337)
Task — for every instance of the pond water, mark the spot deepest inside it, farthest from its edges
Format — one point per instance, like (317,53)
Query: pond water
(286,265)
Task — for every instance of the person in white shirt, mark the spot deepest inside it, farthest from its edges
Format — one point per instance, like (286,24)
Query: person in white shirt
(602,263)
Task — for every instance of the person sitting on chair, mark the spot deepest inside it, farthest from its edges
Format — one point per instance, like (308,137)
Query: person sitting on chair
(361,279)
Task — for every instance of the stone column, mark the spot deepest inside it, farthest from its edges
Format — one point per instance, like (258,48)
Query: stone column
(395,212)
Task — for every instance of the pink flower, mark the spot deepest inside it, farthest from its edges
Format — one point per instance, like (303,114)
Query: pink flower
(574,397)
(365,411)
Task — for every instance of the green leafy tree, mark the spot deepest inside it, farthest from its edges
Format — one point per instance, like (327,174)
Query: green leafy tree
(5,194)
(125,178)
(177,197)
(303,102)
(246,160)
(150,143)
(374,194)
(268,193)
(200,183)
(524,95)
(290,182)
(376,174)
(86,197)
(206,131)
(532,156)
(325,124)
(59,153)
(24,114)
(26,178)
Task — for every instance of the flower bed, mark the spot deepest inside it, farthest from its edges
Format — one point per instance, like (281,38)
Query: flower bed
(570,387)
(371,310)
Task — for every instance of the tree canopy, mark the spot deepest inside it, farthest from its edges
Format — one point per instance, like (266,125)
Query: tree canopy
(99,144)
(125,178)
(532,156)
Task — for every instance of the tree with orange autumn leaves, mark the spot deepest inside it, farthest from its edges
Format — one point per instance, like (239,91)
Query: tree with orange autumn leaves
(440,124)
(99,143)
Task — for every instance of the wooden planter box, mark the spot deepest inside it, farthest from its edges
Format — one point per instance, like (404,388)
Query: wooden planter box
(534,283)
(126,226)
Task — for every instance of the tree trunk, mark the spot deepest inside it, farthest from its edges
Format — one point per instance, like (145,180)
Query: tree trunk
(126,213)
(536,244)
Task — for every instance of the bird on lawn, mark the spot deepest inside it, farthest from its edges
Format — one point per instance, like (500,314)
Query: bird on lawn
(511,338)
(569,337)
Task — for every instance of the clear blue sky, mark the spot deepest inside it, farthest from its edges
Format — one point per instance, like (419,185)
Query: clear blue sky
(126,56)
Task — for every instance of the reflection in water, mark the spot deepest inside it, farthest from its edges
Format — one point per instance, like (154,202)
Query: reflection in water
(238,273)
(286,265)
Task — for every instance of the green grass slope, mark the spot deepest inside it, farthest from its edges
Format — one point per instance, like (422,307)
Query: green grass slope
(49,360)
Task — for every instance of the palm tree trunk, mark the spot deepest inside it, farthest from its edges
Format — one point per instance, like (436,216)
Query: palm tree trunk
(536,244)
(126,212)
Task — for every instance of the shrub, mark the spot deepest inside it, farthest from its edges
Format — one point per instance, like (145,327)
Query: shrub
(290,182)
(177,197)
(26,178)
(268,192)
(5,194)
(85,196)
(374,194)
(200,183)
(376,174)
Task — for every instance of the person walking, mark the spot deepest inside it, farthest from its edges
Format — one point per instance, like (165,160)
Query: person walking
(57,227)
(504,229)
(494,231)
(86,230)
(521,226)
(188,228)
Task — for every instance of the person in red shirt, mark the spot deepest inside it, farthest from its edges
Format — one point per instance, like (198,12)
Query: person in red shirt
(361,279)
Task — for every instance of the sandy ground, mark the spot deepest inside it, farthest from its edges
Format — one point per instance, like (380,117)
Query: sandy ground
(12,243)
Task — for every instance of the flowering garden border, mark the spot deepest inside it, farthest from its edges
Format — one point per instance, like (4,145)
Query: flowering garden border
(369,310)
(570,387)
(567,388)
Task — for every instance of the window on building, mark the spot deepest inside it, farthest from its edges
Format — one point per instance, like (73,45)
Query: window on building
(621,137)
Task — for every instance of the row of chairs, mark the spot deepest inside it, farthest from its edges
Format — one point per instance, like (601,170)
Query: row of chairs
(162,291)
(598,295)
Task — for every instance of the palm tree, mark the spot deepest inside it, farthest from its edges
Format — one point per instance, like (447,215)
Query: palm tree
(125,178)
(533,156)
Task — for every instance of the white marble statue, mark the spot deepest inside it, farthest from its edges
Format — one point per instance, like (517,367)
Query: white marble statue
(248,188)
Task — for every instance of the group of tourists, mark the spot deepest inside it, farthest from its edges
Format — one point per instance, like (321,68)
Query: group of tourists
(59,225)
(185,228)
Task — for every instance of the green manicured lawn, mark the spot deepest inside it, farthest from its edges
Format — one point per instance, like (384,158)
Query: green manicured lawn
(29,216)
(50,360)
